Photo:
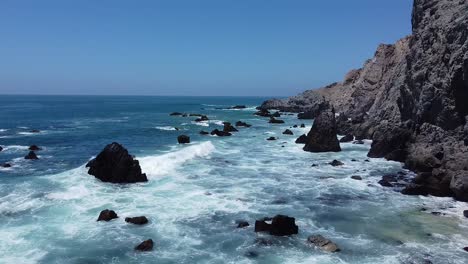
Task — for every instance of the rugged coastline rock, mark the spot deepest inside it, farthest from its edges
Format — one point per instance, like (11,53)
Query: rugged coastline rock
(242,124)
(183,139)
(302,139)
(323,243)
(322,135)
(138,220)
(410,99)
(31,156)
(229,128)
(107,215)
(275,121)
(146,245)
(281,225)
(288,132)
(115,165)
(220,133)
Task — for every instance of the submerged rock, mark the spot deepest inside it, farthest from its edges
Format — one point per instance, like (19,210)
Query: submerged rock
(1,148)
(201,118)
(336,163)
(175,114)
(138,220)
(271,138)
(239,107)
(204,133)
(302,139)
(323,243)
(288,132)
(35,131)
(242,224)
(229,128)
(183,139)
(281,225)
(107,215)
(465,213)
(263,113)
(146,245)
(31,156)
(347,138)
(302,125)
(355,177)
(220,133)
(242,124)
(322,135)
(6,165)
(275,121)
(359,142)
(276,114)
(115,165)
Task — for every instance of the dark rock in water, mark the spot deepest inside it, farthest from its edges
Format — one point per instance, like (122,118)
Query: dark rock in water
(276,114)
(295,126)
(139,220)
(220,133)
(302,125)
(202,118)
(323,243)
(1,148)
(347,138)
(200,115)
(358,142)
(288,132)
(466,249)
(204,133)
(385,183)
(355,177)
(275,121)
(146,245)
(242,124)
(465,213)
(229,128)
(115,165)
(251,254)
(183,139)
(314,165)
(35,131)
(262,226)
(415,189)
(283,225)
(175,114)
(388,142)
(242,224)
(239,107)
(322,135)
(336,163)
(31,156)
(263,113)
(107,215)
(302,139)
(6,165)
(271,138)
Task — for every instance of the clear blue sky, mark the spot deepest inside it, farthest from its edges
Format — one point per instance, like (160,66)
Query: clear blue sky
(191,47)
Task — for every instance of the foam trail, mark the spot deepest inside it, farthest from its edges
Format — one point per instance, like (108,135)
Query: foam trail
(166,128)
(164,164)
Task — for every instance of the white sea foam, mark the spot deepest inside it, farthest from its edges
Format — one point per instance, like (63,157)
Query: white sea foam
(166,128)
(15,148)
(3,130)
(166,163)
(202,123)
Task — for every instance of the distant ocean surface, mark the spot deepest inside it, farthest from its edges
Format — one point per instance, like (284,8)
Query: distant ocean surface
(196,192)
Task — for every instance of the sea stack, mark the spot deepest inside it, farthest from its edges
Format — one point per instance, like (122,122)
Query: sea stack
(322,136)
(115,165)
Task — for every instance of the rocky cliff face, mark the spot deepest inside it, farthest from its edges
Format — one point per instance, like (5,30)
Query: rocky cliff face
(411,99)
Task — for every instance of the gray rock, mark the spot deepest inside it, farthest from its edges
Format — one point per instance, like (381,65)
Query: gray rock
(183,139)
(323,243)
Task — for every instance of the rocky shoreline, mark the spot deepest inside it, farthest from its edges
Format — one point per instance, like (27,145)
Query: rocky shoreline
(410,99)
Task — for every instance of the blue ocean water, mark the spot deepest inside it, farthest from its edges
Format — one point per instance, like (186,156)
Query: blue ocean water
(197,192)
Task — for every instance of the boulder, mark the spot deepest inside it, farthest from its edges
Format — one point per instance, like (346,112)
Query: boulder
(1,148)
(355,177)
(229,128)
(323,243)
(138,220)
(358,142)
(220,133)
(271,138)
(288,132)
(336,163)
(465,213)
(242,224)
(115,165)
(31,156)
(322,135)
(201,118)
(146,245)
(295,126)
(239,107)
(302,139)
(35,131)
(242,124)
(204,133)
(183,139)
(347,138)
(276,114)
(107,215)
(175,114)
(281,225)
(302,125)
(263,113)
(275,121)
(6,165)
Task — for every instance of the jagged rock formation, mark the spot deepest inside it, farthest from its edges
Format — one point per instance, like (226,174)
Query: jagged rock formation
(115,165)
(411,99)
(322,135)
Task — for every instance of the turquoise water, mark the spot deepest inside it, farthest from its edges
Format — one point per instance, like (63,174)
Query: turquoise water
(196,192)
